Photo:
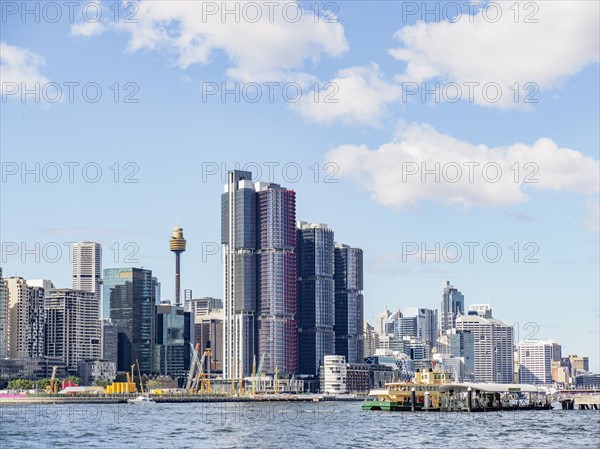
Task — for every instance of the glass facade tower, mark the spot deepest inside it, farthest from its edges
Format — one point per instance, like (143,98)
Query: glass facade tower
(130,293)
(316,296)
(349,303)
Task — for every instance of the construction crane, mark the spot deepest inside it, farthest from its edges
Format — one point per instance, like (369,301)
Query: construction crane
(193,365)
(52,387)
(257,372)
(139,374)
(276,381)
(201,381)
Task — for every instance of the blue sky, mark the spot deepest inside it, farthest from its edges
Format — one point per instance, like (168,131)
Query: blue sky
(169,130)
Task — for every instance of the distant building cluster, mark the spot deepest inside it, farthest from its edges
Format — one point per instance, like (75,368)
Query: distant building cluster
(292,304)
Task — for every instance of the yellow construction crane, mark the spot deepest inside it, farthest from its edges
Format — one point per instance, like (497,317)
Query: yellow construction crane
(201,381)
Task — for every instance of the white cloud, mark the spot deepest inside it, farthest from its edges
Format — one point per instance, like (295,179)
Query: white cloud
(272,49)
(467,174)
(563,41)
(87,29)
(357,95)
(21,66)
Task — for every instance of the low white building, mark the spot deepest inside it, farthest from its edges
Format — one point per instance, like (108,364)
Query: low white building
(334,368)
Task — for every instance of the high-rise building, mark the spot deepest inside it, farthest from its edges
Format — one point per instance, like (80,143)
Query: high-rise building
(258,233)
(426,321)
(371,340)
(381,320)
(73,331)
(239,239)
(493,347)
(130,294)
(276,274)
(110,341)
(18,319)
(87,268)
(36,317)
(3,317)
(453,305)
(349,304)
(169,358)
(535,362)
(462,346)
(316,296)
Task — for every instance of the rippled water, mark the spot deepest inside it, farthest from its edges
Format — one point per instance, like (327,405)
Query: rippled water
(287,425)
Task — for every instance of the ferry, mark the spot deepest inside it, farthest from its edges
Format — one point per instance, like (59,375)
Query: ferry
(398,396)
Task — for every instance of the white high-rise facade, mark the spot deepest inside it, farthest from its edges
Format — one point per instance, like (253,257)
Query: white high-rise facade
(493,347)
(87,268)
(17,322)
(535,362)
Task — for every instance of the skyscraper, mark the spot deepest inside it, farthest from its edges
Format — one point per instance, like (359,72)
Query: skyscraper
(87,269)
(238,236)
(130,294)
(493,347)
(36,318)
(316,295)
(3,317)
(258,233)
(276,273)
(349,305)
(426,321)
(453,305)
(17,318)
(73,331)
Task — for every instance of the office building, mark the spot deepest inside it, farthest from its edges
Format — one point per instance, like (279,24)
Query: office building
(87,269)
(426,324)
(371,340)
(348,328)
(170,350)
(316,296)
(73,331)
(535,362)
(110,341)
(3,317)
(453,305)
(130,294)
(17,318)
(578,364)
(493,347)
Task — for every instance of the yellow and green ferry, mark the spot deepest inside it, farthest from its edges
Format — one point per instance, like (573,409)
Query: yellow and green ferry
(422,393)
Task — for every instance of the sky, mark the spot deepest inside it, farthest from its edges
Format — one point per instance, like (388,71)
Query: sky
(450,141)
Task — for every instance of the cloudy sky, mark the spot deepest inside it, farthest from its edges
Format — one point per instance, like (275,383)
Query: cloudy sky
(451,141)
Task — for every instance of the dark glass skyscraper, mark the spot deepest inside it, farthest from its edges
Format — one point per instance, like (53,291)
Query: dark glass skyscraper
(130,293)
(349,304)
(316,296)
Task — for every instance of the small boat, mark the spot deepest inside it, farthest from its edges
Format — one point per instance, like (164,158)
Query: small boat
(142,399)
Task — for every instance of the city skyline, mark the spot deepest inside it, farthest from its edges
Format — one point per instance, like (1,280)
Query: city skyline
(164,132)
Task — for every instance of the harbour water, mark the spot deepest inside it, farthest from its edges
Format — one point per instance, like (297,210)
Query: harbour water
(286,425)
